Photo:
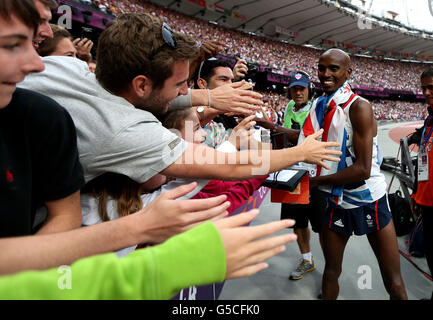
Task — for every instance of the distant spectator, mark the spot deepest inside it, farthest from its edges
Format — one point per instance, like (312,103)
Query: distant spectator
(275,54)
(92,65)
(61,44)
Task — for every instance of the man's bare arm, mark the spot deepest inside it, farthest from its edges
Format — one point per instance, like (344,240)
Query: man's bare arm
(292,134)
(63,214)
(233,98)
(202,162)
(161,219)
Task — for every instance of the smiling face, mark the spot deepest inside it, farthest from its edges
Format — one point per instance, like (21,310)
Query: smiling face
(17,56)
(197,135)
(220,77)
(44,31)
(299,94)
(65,47)
(159,100)
(333,69)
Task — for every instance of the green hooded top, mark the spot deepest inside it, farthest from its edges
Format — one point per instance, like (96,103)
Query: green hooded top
(195,257)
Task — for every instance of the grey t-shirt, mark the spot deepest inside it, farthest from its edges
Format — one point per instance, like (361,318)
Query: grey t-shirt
(113,135)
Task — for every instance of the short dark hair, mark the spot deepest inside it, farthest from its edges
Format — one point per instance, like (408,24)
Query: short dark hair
(206,69)
(52,4)
(24,10)
(427,73)
(134,45)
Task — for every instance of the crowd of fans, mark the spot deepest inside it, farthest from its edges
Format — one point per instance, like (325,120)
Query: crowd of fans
(399,110)
(285,57)
(383,109)
(272,53)
(136,155)
(368,72)
(128,147)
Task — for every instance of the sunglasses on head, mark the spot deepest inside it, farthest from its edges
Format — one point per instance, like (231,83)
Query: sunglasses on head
(201,66)
(167,36)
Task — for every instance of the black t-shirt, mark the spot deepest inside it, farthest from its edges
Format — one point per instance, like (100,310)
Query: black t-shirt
(38,159)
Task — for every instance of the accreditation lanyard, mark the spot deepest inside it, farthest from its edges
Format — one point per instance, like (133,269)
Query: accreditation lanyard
(424,141)
(423,166)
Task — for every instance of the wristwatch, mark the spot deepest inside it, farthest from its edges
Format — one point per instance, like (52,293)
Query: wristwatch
(200,111)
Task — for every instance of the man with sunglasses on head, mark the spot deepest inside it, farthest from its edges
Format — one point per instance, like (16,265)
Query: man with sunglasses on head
(142,67)
(39,163)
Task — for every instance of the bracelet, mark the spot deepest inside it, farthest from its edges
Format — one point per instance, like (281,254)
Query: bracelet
(275,127)
(208,97)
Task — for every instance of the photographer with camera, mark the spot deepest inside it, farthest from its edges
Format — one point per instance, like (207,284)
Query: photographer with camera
(213,73)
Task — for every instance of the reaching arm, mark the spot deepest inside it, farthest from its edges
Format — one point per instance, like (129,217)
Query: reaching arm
(208,114)
(364,130)
(144,274)
(63,214)
(234,98)
(199,161)
(237,191)
(204,255)
(240,70)
(292,134)
(161,219)
(208,50)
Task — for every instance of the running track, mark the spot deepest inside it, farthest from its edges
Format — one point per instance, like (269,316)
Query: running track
(404,130)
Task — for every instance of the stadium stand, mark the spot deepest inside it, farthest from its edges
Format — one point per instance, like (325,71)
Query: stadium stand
(286,58)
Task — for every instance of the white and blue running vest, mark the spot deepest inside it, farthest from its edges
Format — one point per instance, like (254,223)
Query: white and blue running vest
(363,192)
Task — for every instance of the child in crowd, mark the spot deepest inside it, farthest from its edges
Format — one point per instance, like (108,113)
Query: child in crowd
(111,196)
(237,191)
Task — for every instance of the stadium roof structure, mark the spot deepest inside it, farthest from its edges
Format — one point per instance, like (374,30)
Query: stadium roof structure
(315,23)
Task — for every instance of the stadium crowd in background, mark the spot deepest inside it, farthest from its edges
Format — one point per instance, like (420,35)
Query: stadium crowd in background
(113,111)
(163,77)
(286,57)
(276,54)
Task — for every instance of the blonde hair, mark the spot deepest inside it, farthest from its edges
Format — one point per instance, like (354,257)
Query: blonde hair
(119,187)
